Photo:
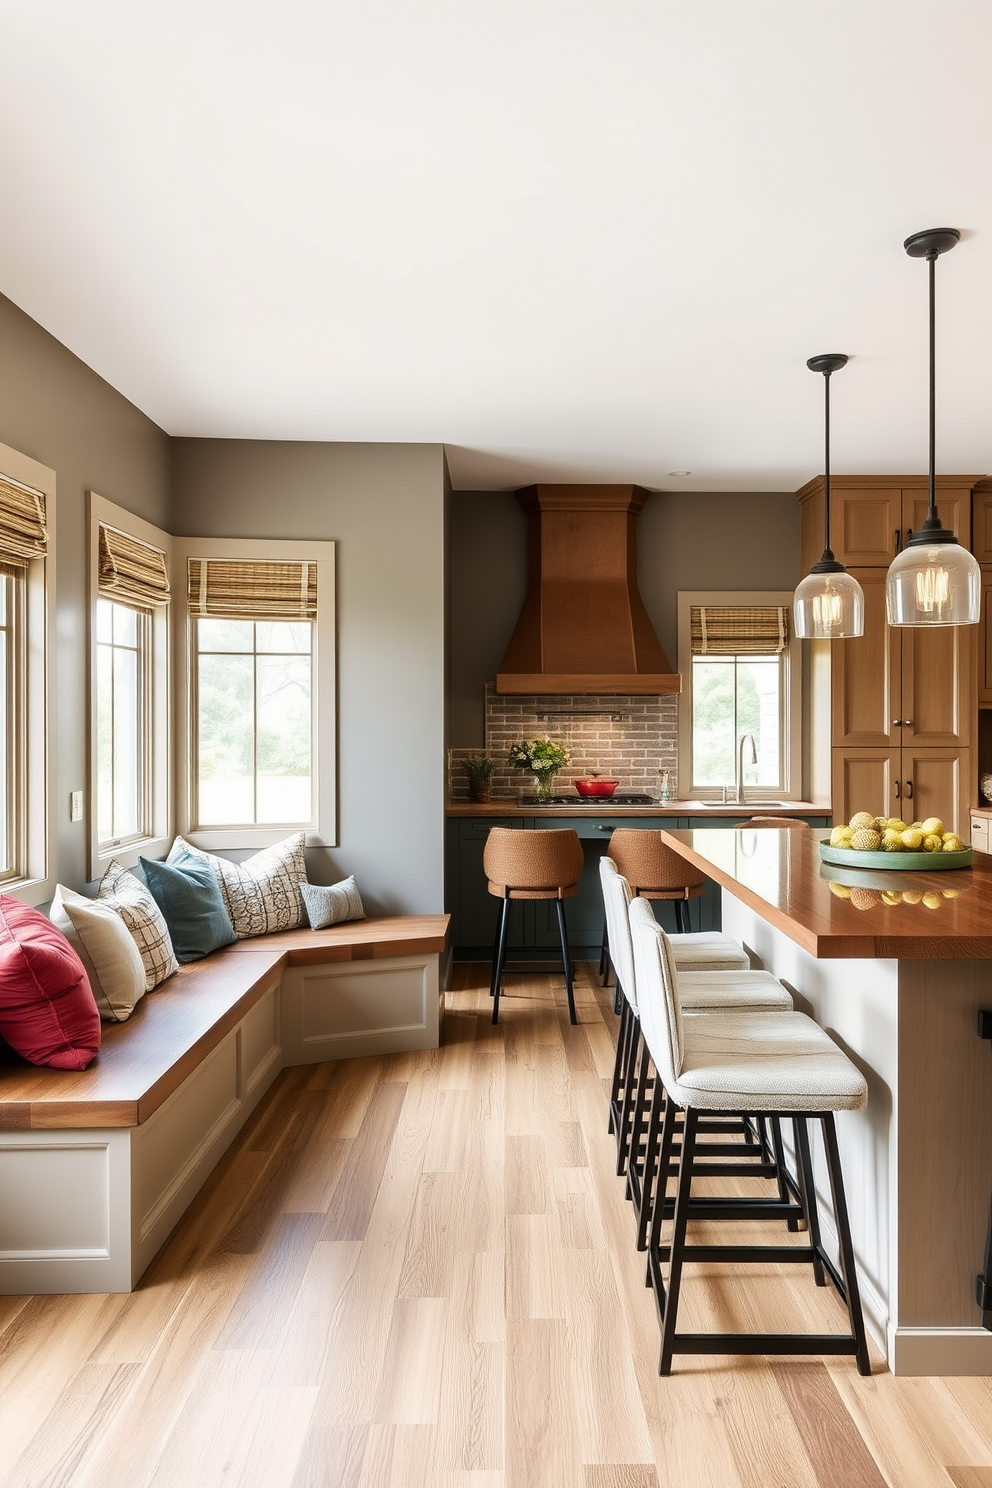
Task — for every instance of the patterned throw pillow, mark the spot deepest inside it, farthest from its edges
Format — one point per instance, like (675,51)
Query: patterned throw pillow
(142,916)
(262,894)
(106,948)
(332,904)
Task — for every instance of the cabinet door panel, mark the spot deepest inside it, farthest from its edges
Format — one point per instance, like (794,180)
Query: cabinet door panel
(940,780)
(985,642)
(865,780)
(864,526)
(981,524)
(865,676)
(938,694)
(953,508)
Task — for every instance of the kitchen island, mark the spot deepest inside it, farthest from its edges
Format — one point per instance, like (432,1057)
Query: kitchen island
(899,985)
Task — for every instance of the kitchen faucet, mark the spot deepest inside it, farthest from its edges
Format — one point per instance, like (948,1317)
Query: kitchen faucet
(739,793)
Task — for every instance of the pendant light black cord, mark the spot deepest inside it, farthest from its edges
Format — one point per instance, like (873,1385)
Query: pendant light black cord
(932,512)
(827,363)
(930,245)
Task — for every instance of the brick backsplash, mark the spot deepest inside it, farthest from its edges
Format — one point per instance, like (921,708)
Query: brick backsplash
(629,738)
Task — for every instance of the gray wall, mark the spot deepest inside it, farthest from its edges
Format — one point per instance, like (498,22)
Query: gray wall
(57,410)
(711,540)
(384,505)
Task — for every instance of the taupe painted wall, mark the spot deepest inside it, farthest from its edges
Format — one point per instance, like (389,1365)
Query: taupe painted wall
(711,540)
(57,410)
(384,504)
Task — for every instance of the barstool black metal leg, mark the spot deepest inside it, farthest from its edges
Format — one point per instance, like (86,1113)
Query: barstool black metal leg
(807,1194)
(619,1063)
(504,921)
(680,1222)
(566,959)
(604,956)
(630,1133)
(648,1184)
(499,926)
(629,1096)
(847,1262)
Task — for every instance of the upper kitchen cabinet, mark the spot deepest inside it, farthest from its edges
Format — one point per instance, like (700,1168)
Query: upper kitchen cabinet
(873,517)
(981,520)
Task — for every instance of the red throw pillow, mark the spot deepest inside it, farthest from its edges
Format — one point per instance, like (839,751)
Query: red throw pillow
(47,1011)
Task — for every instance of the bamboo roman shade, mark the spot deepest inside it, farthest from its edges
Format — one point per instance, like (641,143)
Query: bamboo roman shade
(232,590)
(738,630)
(23,534)
(131,571)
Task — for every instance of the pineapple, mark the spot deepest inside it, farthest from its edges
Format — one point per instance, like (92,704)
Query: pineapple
(862,819)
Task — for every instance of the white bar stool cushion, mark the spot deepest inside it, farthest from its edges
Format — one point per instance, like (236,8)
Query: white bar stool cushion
(725,991)
(708,950)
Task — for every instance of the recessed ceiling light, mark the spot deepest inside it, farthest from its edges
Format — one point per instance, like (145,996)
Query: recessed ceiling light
(680,472)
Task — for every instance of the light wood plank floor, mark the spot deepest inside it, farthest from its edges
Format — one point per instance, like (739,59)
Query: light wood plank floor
(420,1270)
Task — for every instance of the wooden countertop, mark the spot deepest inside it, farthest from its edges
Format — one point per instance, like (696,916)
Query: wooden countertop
(778,874)
(511,807)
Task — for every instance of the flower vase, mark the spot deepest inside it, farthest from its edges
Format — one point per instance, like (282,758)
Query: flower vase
(545,784)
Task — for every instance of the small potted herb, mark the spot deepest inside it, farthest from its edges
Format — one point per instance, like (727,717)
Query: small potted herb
(479,770)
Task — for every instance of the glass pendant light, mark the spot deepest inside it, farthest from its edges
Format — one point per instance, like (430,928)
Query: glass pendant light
(829,604)
(934,580)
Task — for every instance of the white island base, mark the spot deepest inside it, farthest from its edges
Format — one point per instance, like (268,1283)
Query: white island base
(918,1161)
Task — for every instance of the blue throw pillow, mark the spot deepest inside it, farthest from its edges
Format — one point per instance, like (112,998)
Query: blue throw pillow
(191,904)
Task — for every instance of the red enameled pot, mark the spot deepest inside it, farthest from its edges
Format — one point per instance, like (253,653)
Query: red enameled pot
(596,787)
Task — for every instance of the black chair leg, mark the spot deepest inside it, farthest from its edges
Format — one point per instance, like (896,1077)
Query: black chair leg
(604,956)
(566,959)
(504,921)
(845,1245)
(681,1220)
(807,1194)
(619,1064)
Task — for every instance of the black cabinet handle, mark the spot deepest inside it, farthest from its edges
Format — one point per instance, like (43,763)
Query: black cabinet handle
(909,790)
(897,790)
(897,539)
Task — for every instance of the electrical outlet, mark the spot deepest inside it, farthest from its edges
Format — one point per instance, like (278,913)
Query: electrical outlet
(76,806)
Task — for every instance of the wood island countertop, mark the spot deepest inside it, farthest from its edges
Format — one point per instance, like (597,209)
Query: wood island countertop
(777,873)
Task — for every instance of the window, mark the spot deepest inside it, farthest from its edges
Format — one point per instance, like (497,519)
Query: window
(130,730)
(259,703)
(738,668)
(27,586)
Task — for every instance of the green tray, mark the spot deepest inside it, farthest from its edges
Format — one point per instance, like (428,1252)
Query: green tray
(922,862)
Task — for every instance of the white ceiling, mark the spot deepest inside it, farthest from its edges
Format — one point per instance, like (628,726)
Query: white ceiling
(572,239)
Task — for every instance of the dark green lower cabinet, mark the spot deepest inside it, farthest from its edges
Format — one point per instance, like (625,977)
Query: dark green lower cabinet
(534,924)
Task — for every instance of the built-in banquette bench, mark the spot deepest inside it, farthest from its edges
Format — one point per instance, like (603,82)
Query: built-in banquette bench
(97,1167)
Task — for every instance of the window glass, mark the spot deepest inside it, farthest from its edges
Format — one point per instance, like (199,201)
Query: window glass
(731,696)
(253,722)
(122,657)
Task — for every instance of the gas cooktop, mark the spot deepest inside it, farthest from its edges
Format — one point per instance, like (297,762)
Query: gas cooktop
(600,803)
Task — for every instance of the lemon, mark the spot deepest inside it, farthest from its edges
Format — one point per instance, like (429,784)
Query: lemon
(911,896)
(896,823)
(953,843)
(912,838)
(891,896)
(881,822)
(950,893)
(862,819)
(841,890)
(893,843)
(932,824)
(932,900)
(932,842)
(866,839)
(916,826)
(839,836)
(865,898)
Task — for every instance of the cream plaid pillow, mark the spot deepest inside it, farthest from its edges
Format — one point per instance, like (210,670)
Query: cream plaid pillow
(262,894)
(142,916)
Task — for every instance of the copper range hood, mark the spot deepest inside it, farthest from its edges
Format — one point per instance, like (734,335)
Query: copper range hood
(583,627)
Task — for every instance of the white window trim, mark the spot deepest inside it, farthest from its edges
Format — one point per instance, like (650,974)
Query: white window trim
(159,840)
(322,830)
(38,882)
(791,722)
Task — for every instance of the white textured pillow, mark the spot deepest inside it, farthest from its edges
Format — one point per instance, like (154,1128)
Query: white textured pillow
(262,894)
(142,916)
(106,948)
(332,904)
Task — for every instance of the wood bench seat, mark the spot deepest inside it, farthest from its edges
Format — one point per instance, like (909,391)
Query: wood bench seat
(98,1165)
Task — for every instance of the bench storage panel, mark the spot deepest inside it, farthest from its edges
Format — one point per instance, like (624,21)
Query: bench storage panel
(97,1167)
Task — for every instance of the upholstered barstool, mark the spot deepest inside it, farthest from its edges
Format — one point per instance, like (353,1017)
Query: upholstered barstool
(531,865)
(773,1064)
(655,871)
(735,987)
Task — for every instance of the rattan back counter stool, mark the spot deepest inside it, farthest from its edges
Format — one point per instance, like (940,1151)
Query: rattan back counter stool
(774,1064)
(533,864)
(655,871)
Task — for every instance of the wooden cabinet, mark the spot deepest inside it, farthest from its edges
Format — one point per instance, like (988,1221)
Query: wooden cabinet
(901,709)
(981,521)
(980,831)
(909,783)
(873,517)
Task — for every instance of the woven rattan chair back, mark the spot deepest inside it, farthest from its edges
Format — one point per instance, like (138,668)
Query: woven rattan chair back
(532,865)
(651,867)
